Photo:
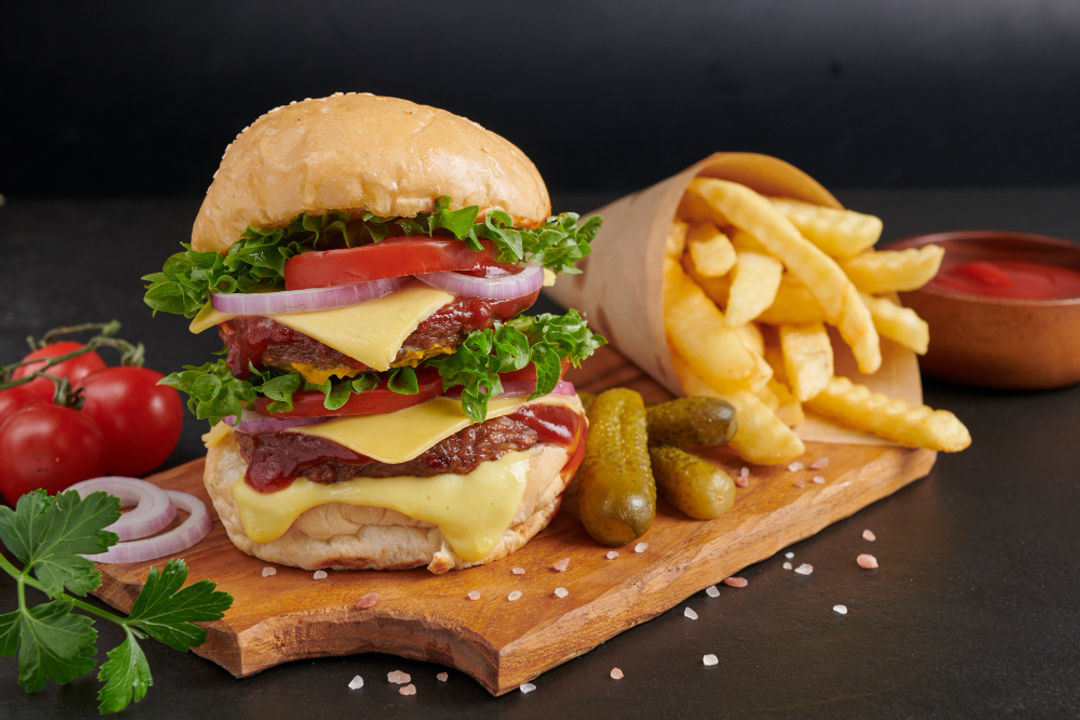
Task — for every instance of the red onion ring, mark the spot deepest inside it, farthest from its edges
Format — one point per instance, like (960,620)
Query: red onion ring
(183,536)
(509,287)
(153,509)
(291,301)
(252,422)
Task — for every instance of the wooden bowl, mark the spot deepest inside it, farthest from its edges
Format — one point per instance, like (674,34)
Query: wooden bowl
(993,341)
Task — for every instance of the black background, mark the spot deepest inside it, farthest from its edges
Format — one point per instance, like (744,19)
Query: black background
(126,98)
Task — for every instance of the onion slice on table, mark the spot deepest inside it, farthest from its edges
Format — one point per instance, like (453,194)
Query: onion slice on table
(153,509)
(183,536)
(291,301)
(508,287)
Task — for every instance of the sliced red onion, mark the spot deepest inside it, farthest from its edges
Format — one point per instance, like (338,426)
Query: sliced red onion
(153,509)
(183,536)
(509,287)
(252,422)
(291,301)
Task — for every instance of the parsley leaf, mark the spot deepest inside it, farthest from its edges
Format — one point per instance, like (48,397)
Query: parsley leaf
(48,534)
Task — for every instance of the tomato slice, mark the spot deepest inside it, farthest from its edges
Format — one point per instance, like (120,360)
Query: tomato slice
(394,257)
(381,399)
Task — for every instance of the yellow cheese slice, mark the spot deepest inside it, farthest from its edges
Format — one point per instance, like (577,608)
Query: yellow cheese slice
(371,332)
(472,510)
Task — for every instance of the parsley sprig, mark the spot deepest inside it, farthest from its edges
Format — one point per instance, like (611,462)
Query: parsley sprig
(49,535)
(546,341)
(257,260)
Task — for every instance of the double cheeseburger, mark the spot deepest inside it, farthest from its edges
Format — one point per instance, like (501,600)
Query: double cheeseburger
(380,402)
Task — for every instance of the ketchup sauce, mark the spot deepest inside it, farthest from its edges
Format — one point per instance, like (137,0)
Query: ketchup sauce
(1009,279)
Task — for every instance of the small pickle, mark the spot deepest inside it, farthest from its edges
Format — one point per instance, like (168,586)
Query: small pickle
(692,422)
(616,492)
(586,398)
(693,485)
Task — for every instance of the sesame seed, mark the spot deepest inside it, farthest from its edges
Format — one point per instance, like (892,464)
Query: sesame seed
(561,592)
(689,613)
(795,466)
(368,601)
(409,689)
(819,479)
(518,570)
(710,660)
(398,677)
(616,673)
(736,582)
(789,554)
(611,554)
(473,594)
(319,575)
(786,565)
(356,683)
(866,561)
(840,609)
(561,565)
(641,547)
(268,571)
(514,595)
(820,464)
(526,688)
(712,591)
(442,677)
(805,569)
(868,535)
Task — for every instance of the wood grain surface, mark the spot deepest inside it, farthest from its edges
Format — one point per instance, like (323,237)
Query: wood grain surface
(501,643)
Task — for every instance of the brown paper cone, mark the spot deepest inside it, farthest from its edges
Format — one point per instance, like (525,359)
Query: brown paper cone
(620,289)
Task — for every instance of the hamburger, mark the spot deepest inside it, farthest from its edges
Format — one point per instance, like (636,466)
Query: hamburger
(380,401)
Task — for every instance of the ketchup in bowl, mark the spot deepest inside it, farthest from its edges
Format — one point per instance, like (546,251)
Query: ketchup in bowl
(1009,279)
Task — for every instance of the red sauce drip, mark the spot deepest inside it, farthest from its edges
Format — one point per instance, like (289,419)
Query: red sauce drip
(1010,279)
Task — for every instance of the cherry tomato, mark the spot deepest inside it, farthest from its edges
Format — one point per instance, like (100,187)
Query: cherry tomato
(380,399)
(74,369)
(395,257)
(139,420)
(48,446)
(15,399)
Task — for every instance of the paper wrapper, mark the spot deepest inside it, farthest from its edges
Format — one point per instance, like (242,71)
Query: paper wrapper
(621,287)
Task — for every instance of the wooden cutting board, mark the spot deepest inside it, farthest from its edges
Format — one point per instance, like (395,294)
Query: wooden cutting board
(503,643)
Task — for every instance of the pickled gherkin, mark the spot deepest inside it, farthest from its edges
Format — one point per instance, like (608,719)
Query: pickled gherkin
(691,422)
(693,485)
(616,492)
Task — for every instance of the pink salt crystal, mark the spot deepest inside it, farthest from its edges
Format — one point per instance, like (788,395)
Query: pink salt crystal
(736,582)
(409,689)
(741,481)
(689,613)
(442,677)
(518,570)
(744,471)
(561,592)
(514,595)
(799,483)
(795,466)
(473,594)
(867,561)
(318,575)
(526,688)
(868,535)
(611,554)
(820,464)
(641,547)
(805,569)
(712,591)
(819,479)
(616,673)
(397,677)
(561,565)
(710,660)
(268,571)
(368,601)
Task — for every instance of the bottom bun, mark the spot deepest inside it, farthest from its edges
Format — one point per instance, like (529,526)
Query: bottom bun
(341,536)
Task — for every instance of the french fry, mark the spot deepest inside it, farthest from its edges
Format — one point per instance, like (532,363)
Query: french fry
(888,271)
(742,240)
(808,358)
(754,282)
(717,288)
(744,208)
(840,233)
(752,338)
(761,437)
(891,418)
(695,326)
(710,250)
(793,304)
(676,239)
(788,407)
(900,324)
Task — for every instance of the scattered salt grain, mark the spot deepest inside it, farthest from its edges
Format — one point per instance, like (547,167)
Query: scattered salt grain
(819,479)
(868,535)
(744,471)
(805,569)
(789,554)
(820,464)
(712,591)
(736,582)
(795,466)
(518,570)
(397,677)
(710,660)
(514,595)
(356,683)
(867,561)
(473,594)
(442,677)
(409,689)
(319,575)
(611,554)
(526,688)
(561,592)
(641,547)
(368,601)
(742,481)
(840,609)
(268,571)
(689,613)
(616,673)
(786,565)
(561,565)
(799,483)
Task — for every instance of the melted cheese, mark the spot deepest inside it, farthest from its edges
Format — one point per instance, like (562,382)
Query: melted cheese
(472,511)
(371,332)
